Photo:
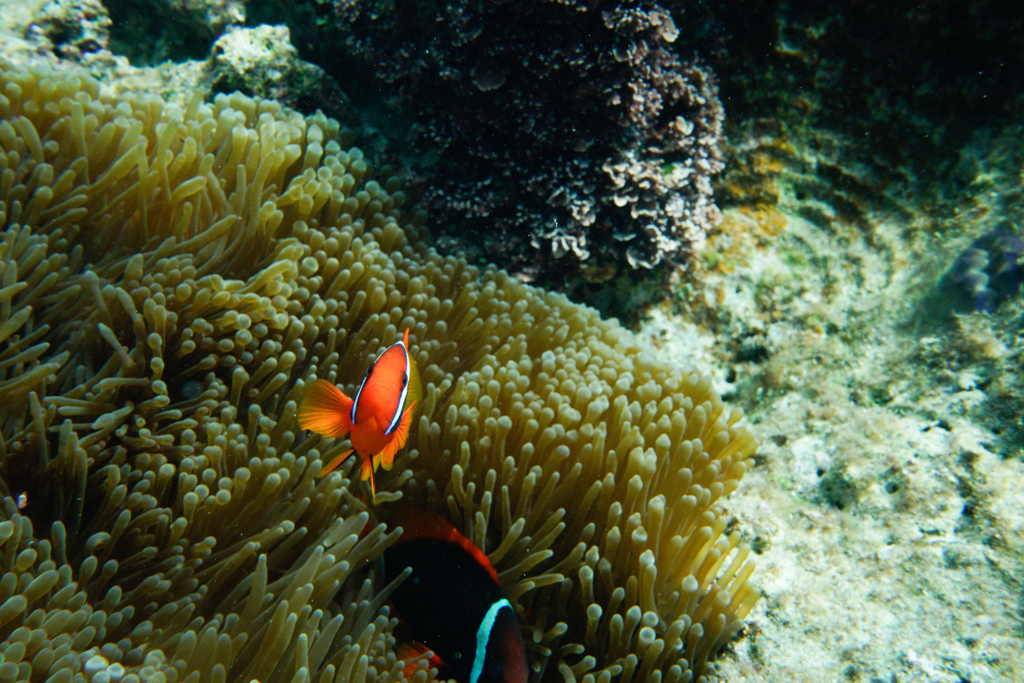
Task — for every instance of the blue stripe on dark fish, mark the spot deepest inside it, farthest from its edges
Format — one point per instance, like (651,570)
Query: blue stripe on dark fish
(452,604)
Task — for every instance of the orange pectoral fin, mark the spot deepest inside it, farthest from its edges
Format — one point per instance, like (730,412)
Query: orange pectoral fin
(333,464)
(325,409)
(415,656)
(398,439)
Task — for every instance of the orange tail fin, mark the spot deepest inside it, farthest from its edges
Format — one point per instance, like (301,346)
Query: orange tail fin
(325,409)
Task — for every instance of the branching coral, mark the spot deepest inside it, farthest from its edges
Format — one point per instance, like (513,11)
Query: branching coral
(565,135)
(171,283)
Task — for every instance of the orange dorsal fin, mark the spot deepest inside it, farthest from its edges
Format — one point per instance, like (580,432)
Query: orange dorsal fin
(420,523)
(325,409)
(333,464)
(398,439)
(415,383)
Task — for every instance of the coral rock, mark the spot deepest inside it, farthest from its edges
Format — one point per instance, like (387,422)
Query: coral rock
(575,139)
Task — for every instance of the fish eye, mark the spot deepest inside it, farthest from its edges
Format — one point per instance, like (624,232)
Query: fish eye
(370,368)
(405,380)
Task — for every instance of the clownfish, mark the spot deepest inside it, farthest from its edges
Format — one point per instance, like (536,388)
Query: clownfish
(378,417)
(452,603)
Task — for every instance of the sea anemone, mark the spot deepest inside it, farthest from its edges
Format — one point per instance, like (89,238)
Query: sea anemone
(172,280)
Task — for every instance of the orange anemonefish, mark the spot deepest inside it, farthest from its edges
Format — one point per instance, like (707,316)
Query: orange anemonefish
(453,604)
(378,417)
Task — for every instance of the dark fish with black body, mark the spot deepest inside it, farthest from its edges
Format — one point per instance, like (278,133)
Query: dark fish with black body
(453,604)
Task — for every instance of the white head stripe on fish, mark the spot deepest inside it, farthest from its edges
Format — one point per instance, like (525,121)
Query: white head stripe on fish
(359,392)
(397,417)
(483,635)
